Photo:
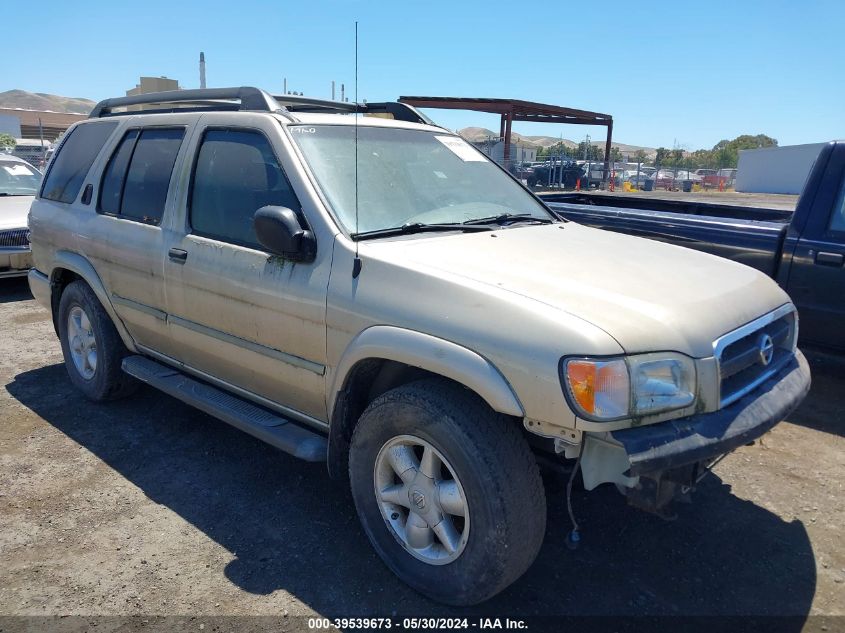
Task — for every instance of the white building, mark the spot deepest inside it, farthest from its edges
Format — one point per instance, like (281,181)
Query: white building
(776,169)
(521,151)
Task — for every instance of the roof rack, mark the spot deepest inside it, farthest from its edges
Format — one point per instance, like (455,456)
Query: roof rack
(399,111)
(246,98)
(203,98)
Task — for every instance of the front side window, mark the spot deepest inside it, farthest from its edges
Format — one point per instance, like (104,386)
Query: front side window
(408,176)
(236,174)
(137,178)
(75,157)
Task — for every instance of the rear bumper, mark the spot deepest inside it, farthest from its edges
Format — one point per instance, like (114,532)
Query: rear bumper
(698,438)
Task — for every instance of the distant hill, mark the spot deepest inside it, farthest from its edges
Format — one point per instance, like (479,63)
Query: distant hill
(43,101)
(478,134)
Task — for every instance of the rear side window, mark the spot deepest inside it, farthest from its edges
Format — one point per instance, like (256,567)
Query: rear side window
(75,157)
(137,177)
(111,189)
(236,174)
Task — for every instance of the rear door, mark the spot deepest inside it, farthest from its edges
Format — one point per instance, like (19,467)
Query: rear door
(817,274)
(129,232)
(239,315)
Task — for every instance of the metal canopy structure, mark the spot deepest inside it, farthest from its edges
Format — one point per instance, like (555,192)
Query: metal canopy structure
(517,110)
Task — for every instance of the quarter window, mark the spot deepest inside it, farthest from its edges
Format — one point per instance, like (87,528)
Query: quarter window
(236,174)
(73,160)
(137,177)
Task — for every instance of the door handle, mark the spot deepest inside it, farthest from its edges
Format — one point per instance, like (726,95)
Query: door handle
(829,259)
(177,255)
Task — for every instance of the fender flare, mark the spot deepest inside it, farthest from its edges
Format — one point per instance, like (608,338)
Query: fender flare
(78,264)
(433,354)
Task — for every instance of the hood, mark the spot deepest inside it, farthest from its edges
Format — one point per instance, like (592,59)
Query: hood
(648,295)
(14,211)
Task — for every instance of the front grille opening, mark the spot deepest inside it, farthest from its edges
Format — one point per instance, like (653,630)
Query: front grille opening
(745,363)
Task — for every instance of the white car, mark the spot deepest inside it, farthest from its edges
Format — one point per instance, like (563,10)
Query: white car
(18,184)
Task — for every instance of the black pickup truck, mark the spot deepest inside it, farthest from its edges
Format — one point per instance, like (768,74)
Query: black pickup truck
(804,249)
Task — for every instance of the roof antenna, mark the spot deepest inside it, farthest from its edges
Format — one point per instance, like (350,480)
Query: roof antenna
(356,264)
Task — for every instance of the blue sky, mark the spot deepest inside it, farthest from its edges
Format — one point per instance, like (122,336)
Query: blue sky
(685,72)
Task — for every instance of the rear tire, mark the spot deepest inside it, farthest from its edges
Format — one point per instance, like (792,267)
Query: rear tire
(91,346)
(483,456)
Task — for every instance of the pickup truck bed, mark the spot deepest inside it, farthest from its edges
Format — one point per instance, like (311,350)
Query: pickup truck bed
(754,242)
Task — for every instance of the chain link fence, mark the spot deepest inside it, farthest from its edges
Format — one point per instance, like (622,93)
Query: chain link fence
(563,170)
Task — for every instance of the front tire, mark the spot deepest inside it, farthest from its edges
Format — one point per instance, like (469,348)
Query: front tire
(447,491)
(91,346)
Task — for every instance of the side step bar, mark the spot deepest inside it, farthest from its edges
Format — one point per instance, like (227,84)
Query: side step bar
(266,426)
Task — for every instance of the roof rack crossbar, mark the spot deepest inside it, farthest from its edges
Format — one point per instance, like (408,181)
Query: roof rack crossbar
(400,111)
(298,103)
(250,99)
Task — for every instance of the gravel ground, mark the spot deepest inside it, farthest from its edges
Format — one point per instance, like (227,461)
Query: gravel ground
(148,507)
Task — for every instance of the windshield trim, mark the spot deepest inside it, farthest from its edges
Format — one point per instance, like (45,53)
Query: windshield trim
(306,167)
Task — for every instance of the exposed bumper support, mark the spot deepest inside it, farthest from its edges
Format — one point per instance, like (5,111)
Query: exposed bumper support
(677,443)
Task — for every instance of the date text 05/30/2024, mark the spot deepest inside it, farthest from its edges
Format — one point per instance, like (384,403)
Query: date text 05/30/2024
(416,623)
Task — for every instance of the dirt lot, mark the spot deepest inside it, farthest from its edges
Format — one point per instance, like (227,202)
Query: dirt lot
(146,506)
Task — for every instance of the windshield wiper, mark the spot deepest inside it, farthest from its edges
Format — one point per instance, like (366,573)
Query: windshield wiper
(509,218)
(418,227)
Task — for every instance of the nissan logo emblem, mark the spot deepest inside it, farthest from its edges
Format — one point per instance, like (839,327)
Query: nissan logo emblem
(765,349)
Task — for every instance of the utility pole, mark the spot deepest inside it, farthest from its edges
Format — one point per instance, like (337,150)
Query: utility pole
(202,69)
(332,90)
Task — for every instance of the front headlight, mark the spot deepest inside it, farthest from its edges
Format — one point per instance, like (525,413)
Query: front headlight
(604,389)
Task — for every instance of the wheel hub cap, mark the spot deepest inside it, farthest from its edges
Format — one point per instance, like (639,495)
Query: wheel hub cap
(421,500)
(82,342)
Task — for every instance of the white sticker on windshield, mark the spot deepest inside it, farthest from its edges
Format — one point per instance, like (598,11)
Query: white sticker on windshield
(18,170)
(461,148)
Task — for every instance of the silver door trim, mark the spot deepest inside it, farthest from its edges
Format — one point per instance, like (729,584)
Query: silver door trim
(271,352)
(138,306)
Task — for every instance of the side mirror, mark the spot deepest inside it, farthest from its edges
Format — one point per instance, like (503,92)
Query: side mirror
(279,231)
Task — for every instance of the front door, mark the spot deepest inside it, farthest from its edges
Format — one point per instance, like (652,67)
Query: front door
(817,274)
(238,315)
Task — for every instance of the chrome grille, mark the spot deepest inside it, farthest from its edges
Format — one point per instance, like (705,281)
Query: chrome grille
(751,354)
(14,238)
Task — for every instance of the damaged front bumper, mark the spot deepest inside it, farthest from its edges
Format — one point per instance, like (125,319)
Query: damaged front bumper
(665,460)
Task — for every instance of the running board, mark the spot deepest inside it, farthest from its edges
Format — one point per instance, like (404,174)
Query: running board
(266,426)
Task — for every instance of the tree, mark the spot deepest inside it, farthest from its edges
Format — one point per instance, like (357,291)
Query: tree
(7,141)
(725,153)
(661,156)
(676,156)
(588,152)
(616,155)
(640,156)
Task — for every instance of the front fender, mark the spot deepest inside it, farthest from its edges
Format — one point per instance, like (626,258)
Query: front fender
(78,264)
(432,354)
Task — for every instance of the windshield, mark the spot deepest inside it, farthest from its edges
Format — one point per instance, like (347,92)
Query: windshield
(18,179)
(407,177)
